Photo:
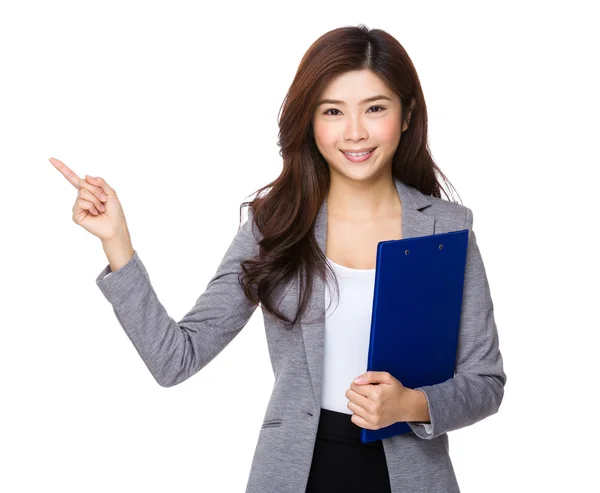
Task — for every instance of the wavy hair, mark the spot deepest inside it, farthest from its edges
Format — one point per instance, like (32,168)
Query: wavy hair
(285,216)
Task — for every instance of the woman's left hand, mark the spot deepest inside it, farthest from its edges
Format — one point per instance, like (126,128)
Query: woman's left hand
(378,400)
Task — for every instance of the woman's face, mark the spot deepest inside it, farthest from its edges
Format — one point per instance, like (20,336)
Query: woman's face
(347,119)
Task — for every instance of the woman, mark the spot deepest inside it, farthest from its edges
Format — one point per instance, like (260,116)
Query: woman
(356,171)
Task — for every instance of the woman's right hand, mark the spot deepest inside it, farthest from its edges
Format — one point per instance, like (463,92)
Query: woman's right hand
(97,208)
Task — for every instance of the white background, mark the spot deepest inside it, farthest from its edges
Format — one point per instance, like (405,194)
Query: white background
(175,104)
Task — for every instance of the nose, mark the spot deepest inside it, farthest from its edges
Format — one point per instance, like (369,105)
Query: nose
(355,130)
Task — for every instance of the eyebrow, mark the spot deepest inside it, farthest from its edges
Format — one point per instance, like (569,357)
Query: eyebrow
(368,100)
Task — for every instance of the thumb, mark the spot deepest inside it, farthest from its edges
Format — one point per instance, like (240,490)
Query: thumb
(100,182)
(372,377)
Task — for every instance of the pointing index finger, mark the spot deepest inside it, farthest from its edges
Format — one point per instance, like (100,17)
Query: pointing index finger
(66,171)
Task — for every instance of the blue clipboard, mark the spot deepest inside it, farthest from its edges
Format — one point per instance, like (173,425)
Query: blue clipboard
(417,303)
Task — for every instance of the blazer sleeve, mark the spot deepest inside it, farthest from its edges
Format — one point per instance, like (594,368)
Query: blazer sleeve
(174,351)
(477,388)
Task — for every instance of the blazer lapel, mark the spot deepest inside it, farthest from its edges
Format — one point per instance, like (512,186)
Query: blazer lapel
(414,224)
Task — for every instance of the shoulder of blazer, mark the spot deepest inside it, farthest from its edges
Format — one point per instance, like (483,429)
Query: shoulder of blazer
(454,215)
(250,225)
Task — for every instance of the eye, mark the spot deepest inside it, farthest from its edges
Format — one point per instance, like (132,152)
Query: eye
(327,112)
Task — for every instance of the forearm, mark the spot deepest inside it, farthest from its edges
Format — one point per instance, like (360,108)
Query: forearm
(118,250)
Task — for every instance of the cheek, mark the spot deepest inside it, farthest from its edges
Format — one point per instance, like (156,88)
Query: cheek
(325,136)
(389,131)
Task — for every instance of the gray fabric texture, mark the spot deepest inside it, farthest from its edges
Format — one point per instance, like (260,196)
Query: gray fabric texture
(173,351)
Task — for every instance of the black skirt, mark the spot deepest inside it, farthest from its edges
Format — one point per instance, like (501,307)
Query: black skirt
(341,462)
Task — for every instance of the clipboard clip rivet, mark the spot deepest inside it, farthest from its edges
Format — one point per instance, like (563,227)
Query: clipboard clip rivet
(441,246)
(406,252)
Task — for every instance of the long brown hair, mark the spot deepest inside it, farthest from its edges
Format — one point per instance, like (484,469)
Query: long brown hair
(285,216)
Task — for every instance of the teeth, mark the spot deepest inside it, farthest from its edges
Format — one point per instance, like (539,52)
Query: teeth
(357,154)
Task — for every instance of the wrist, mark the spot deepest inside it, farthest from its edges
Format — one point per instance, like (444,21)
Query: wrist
(118,249)
(419,407)
(120,237)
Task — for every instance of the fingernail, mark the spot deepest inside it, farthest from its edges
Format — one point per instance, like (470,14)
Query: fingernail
(103,196)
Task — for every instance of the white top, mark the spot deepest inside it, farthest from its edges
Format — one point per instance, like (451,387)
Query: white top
(347,334)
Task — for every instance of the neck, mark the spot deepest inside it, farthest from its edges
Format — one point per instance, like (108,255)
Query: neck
(363,201)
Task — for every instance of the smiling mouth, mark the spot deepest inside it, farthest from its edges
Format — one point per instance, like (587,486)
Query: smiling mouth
(359,157)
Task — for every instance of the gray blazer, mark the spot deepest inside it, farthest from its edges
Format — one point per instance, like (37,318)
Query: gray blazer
(174,351)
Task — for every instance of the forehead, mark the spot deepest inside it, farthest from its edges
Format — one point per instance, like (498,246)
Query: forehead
(356,85)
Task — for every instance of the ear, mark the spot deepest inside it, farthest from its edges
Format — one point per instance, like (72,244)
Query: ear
(408,114)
